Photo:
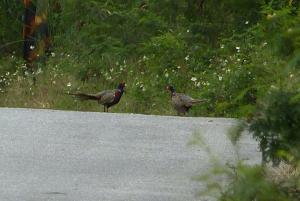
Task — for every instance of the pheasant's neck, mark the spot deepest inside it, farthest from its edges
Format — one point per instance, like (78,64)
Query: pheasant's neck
(121,89)
(119,93)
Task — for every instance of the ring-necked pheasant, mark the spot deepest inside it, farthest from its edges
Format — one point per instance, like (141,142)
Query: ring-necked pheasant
(182,102)
(106,98)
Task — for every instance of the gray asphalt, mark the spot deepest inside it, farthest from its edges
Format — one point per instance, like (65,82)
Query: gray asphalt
(48,155)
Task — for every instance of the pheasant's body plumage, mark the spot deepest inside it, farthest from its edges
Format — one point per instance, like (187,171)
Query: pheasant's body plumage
(106,98)
(182,103)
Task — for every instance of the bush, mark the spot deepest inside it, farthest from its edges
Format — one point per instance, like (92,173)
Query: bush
(277,125)
(249,183)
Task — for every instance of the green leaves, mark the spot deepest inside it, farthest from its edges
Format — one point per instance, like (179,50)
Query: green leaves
(277,125)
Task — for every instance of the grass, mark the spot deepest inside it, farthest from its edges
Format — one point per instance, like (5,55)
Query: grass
(52,85)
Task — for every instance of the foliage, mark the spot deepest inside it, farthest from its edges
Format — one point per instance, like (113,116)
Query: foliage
(239,181)
(247,183)
(229,52)
(277,125)
(242,56)
(10,37)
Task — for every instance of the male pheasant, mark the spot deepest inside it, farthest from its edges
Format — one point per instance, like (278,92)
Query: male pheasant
(182,102)
(106,98)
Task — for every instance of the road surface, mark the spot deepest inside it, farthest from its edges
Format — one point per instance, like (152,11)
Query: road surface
(48,155)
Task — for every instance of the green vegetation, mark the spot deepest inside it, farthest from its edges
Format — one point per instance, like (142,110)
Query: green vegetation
(276,127)
(230,52)
(247,183)
(241,55)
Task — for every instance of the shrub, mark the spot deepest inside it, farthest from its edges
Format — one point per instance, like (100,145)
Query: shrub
(277,125)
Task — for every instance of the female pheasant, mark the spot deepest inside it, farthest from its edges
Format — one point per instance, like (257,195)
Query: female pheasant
(106,98)
(181,102)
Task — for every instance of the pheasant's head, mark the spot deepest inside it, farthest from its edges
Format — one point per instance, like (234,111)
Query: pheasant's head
(170,88)
(122,86)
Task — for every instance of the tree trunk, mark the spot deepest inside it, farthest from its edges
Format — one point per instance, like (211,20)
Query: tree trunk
(35,31)
(28,31)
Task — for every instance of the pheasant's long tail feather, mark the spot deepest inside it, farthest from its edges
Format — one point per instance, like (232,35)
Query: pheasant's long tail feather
(196,101)
(84,96)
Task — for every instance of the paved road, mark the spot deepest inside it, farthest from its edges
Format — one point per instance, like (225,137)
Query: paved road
(48,155)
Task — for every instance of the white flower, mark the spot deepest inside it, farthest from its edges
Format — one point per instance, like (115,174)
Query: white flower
(31,47)
(194,79)
(53,82)
(39,71)
(178,67)
(7,73)
(237,48)
(220,78)
(247,22)
(222,46)
(166,74)
(188,31)
(52,54)
(198,84)
(238,59)
(69,84)
(68,55)
(291,75)
(187,58)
